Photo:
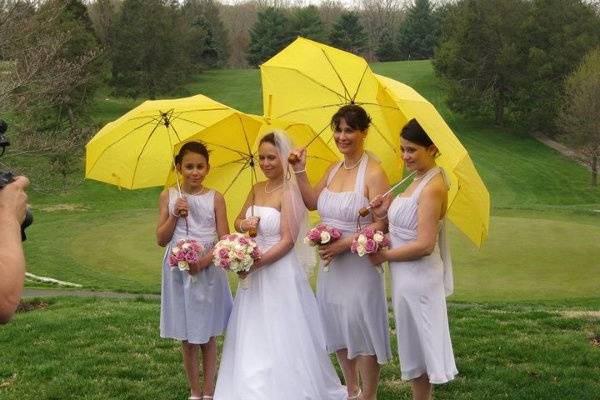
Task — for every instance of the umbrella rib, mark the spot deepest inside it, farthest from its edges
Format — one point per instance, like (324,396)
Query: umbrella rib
(154,120)
(314,81)
(238,152)
(142,152)
(378,105)
(310,108)
(338,75)
(231,162)
(245,166)
(360,83)
(384,138)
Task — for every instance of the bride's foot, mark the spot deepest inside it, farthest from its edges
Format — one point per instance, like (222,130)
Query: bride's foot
(355,396)
(194,397)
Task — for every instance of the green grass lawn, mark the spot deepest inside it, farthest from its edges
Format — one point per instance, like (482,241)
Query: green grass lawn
(110,349)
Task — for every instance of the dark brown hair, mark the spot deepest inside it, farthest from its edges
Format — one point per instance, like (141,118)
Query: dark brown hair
(414,132)
(191,147)
(355,116)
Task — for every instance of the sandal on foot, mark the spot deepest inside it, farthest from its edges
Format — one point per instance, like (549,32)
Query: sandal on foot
(356,396)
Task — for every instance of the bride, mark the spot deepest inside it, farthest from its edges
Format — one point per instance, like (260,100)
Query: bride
(275,347)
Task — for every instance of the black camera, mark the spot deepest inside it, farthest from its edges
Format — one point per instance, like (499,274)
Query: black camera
(7,177)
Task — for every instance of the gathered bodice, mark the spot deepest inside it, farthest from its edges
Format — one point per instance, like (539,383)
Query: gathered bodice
(402,214)
(340,209)
(268,233)
(201,217)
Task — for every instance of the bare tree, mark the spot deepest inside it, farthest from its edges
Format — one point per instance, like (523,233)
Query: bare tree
(579,117)
(379,17)
(238,19)
(36,78)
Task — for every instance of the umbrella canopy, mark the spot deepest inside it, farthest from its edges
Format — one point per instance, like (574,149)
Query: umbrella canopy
(233,144)
(468,199)
(308,81)
(136,150)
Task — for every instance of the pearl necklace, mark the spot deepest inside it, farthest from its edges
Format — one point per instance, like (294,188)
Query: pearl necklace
(355,164)
(272,190)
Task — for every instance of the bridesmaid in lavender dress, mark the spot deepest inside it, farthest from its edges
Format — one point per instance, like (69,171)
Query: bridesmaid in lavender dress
(421,266)
(351,292)
(195,305)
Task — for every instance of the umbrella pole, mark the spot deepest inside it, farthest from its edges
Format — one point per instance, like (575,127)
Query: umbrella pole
(183,214)
(363,212)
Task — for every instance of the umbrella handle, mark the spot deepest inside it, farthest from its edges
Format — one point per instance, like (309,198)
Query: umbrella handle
(252,232)
(293,159)
(364,211)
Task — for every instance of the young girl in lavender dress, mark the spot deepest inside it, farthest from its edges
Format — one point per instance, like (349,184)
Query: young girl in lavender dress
(195,305)
(420,265)
(351,293)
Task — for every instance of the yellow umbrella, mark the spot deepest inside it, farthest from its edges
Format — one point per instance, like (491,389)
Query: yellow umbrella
(308,81)
(136,150)
(468,199)
(233,143)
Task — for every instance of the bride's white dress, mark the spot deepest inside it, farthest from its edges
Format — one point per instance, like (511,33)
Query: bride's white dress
(274,346)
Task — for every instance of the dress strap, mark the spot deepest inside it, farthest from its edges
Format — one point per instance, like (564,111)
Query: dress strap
(359,185)
(333,171)
(425,180)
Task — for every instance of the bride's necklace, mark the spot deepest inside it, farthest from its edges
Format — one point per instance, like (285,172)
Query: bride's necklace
(355,164)
(267,191)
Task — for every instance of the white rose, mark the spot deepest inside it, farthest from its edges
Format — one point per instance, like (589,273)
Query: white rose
(183,266)
(325,237)
(361,250)
(378,237)
(186,246)
(362,239)
(175,250)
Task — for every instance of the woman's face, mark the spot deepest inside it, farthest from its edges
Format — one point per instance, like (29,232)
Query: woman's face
(194,169)
(269,161)
(349,141)
(417,157)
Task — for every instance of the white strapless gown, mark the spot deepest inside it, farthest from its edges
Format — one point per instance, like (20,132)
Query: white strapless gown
(274,346)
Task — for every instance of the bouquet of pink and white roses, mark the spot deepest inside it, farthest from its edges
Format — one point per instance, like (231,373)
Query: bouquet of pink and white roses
(236,253)
(369,241)
(184,252)
(322,234)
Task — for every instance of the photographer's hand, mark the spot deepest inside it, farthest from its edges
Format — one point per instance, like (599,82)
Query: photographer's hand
(13,206)
(13,200)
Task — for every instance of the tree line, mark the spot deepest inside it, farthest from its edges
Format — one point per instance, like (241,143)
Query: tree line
(506,60)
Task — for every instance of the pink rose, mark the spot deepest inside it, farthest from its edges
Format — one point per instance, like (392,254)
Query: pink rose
(243,241)
(369,232)
(335,234)
(314,235)
(370,246)
(353,246)
(255,253)
(223,253)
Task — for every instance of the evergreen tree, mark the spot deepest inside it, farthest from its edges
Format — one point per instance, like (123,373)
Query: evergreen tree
(208,38)
(387,50)
(419,31)
(557,34)
(268,36)
(306,22)
(480,55)
(348,33)
(149,53)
